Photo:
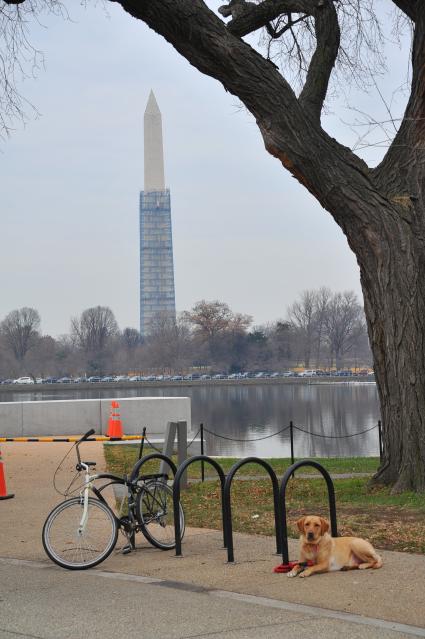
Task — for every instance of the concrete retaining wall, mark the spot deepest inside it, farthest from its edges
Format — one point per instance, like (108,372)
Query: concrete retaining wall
(75,417)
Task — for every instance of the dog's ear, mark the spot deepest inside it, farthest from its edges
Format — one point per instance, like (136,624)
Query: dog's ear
(300,524)
(325,525)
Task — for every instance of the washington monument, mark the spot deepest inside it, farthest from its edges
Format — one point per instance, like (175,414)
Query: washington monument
(156,242)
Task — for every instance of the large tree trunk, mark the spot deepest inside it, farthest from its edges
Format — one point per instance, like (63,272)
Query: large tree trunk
(395,310)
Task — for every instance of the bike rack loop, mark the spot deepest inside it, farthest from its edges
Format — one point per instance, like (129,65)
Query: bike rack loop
(147,458)
(228,508)
(176,496)
(331,494)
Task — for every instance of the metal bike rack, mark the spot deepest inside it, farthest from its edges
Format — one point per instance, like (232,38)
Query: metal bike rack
(331,495)
(141,462)
(176,495)
(228,508)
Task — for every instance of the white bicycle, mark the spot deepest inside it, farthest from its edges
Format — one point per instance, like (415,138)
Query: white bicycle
(82,531)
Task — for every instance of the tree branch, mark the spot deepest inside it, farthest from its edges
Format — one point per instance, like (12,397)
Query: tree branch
(400,168)
(248,17)
(328,38)
(276,33)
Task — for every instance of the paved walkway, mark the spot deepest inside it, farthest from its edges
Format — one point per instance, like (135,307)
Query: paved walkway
(39,600)
(393,594)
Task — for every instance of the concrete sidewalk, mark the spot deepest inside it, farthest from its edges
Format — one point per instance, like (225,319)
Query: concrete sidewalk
(395,593)
(39,600)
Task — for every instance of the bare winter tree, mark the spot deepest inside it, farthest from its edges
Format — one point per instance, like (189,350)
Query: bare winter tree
(20,330)
(343,325)
(212,320)
(323,296)
(302,314)
(168,343)
(93,330)
(131,338)
(380,210)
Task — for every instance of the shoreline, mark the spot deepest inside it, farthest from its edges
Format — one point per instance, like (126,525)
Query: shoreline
(280,381)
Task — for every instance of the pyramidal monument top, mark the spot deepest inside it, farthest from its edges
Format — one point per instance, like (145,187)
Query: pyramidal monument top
(153,147)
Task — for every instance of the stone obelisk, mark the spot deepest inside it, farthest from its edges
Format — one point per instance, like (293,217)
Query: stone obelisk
(154,155)
(157,297)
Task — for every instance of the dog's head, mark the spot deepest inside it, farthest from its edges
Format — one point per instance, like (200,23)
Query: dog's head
(312,527)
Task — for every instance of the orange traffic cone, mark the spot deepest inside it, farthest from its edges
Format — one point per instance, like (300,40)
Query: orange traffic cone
(114,424)
(3,491)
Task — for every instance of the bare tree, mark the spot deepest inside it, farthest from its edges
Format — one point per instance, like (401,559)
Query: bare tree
(380,210)
(94,329)
(20,329)
(302,314)
(212,321)
(131,338)
(168,343)
(282,337)
(323,296)
(44,358)
(344,324)
(209,318)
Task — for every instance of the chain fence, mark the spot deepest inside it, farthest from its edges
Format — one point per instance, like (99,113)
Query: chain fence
(291,429)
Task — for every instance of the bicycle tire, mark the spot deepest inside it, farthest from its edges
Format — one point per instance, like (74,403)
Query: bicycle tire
(69,548)
(154,512)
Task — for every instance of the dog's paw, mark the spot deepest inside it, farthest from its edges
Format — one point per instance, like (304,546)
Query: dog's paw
(305,573)
(293,573)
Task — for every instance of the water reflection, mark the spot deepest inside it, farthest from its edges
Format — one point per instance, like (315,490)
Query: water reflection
(252,412)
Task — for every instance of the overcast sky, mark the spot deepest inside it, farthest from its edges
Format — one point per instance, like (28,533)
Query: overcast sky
(244,231)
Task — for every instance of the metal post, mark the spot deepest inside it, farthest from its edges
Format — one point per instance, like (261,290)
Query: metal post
(228,508)
(169,439)
(291,431)
(176,498)
(201,428)
(182,448)
(381,453)
(142,443)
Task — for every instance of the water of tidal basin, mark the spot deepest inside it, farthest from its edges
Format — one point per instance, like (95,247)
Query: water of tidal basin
(331,411)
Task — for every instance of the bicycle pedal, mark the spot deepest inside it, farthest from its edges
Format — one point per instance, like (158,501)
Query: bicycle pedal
(126,550)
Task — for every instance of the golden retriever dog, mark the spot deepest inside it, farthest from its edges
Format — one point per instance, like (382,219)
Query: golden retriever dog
(331,553)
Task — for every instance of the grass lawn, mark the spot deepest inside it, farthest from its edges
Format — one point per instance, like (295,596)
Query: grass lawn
(122,458)
(393,522)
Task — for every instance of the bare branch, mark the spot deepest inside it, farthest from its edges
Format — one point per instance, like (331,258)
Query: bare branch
(328,38)
(275,31)
(18,57)
(249,17)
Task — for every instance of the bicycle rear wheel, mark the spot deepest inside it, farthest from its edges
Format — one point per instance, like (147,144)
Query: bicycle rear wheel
(77,547)
(154,511)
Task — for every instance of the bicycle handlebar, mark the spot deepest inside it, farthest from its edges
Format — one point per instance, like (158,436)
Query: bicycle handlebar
(83,438)
(87,435)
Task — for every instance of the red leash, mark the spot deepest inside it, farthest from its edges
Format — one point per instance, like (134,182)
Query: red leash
(291,564)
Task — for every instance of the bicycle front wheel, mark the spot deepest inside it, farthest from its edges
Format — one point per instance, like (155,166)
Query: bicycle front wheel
(154,511)
(77,542)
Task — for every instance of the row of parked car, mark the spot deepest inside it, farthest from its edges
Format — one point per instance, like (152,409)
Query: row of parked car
(190,377)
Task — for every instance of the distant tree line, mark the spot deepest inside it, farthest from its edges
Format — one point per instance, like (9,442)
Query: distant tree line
(321,330)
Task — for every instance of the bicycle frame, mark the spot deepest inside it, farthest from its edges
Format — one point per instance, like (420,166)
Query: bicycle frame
(128,523)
